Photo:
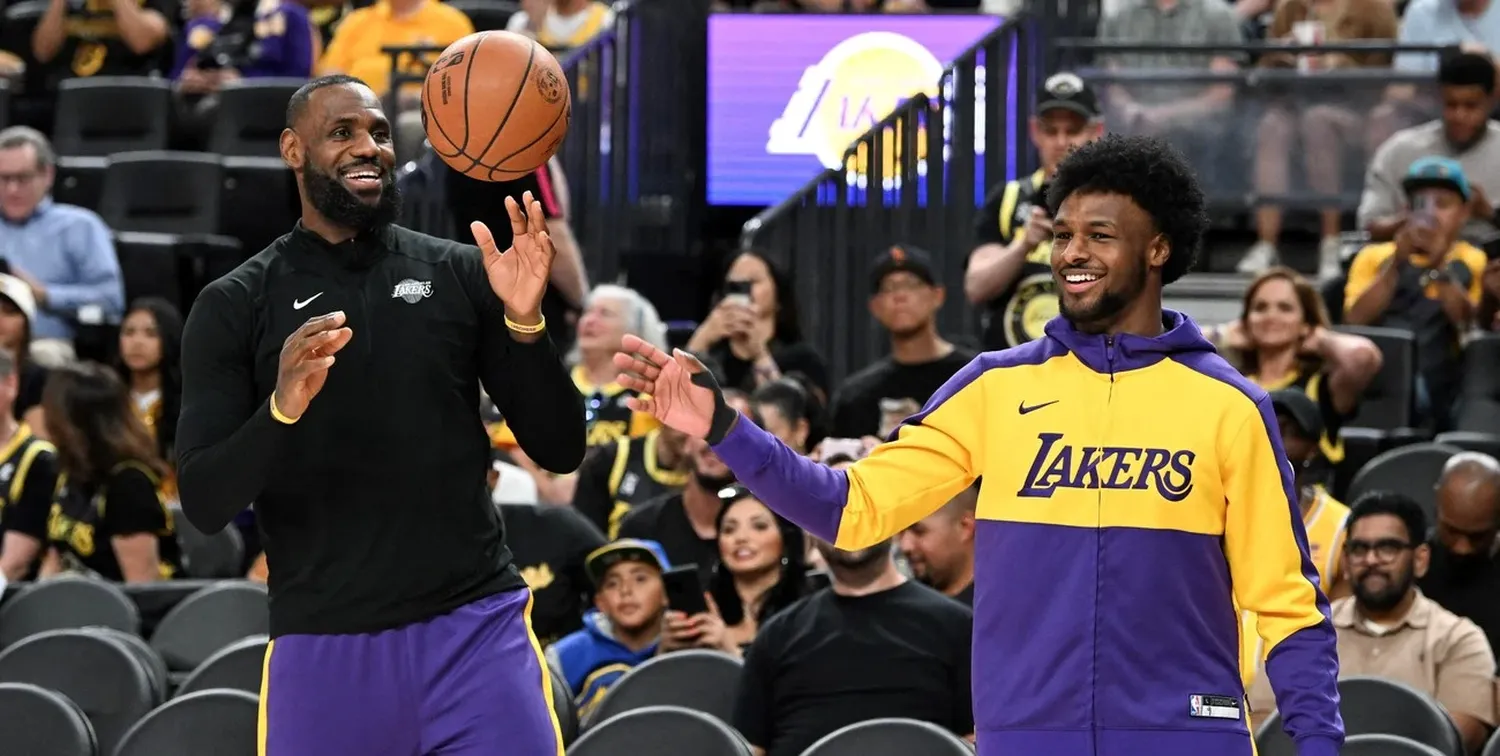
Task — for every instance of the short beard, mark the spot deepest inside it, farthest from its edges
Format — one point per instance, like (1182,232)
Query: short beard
(857,560)
(1388,599)
(343,208)
(713,484)
(1099,316)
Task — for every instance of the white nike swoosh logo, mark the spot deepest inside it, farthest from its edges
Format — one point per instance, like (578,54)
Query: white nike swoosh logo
(301,303)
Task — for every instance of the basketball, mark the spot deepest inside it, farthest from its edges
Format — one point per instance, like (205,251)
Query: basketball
(495,106)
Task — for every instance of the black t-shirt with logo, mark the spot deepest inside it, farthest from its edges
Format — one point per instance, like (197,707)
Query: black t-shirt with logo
(93,47)
(875,400)
(829,661)
(666,522)
(28,479)
(618,477)
(1018,313)
(85,518)
(549,545)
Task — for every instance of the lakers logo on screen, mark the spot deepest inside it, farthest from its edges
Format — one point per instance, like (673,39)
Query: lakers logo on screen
(1057,464)
(857,83)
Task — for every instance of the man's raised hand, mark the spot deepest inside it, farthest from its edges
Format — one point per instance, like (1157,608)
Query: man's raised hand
(306,356)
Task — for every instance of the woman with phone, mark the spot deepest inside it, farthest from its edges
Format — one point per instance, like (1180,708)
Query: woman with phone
(753,329)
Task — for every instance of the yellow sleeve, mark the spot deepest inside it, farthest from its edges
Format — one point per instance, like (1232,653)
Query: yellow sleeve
(1362,274)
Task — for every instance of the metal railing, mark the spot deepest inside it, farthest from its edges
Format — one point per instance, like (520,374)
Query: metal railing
(629,155)
(914,178)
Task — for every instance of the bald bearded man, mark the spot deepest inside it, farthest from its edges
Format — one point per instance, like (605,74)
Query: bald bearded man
(1464,575)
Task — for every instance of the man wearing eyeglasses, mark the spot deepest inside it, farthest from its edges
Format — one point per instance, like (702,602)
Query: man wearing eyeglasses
(1389,629)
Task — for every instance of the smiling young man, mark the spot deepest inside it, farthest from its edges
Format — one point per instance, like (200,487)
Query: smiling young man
(399,622)
(1155,496)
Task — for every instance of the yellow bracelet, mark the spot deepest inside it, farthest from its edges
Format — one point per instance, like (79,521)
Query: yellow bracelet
(276,413)
(526,329)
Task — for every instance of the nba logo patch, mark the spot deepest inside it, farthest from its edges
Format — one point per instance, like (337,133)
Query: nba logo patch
(1214,707)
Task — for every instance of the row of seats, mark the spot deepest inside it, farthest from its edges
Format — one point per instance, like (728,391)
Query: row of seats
(38,721)
(680,731)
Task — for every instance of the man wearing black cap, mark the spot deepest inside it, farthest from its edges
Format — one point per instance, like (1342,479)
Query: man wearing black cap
(1010,271)
(905,298)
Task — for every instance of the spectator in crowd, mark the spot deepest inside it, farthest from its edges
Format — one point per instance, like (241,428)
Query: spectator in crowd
(1303,433)
(1426,281)
(150,364)
(550,546)
(1194,116)
(1474,24)
(108,517)
(1466,83)
(622,629)
(64,253)
(790,408)
(356,50)
(561,24)
(1389,629)
(28,477)
(1009,273)
(939,548)
(905,300)
(17,313)
(1463,573)
(619,476)
(107,37)
(685,523)
(762,570)
(754,331)
(872,645)
(221,43)
(1327,127)
(1283,339)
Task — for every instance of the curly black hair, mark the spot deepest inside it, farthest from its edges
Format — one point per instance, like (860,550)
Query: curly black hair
(1152,174)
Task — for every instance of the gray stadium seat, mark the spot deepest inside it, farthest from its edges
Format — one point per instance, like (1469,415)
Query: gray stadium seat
(1482,367)
(661,731)
(1388,401)
(217,722)
(564,706)
(156,669)
(1377,706)
(98,116)
(1487,443)
(890,737)
(237,666)
(209,620)
(250,117)
(1492,748)
(216,556)
(80,181)
(97,673)
(38,722)
(695,679)
(260,201)
(149,266)
(1411,470)
(162,192)
(1386,745)
(1478,414)
(486,15)
(64,603)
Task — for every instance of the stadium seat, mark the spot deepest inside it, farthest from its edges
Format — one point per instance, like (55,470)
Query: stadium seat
(1482,367)
(64,603)
(1387,403)
(38,722)
(1332,293)
(216,556)
(260,201)
(237,666)
(156,669)
(149,266)
(661,731)
(695,679)
(1386,745)
(98,673)
(1411,470)
(1487,443)
(1377,706)
(218,722)
(1492,748)
(564,706)
(20,21)
(80,181)
(251,116)
(155,600)
(162,192)
(98,116)
(487,15)
(1478,414)
(890,737)
(209,620)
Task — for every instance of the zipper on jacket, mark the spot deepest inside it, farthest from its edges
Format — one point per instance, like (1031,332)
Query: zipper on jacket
(1109,358)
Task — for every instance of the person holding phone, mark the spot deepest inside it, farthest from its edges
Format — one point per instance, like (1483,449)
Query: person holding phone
(754,330)
(1427,281)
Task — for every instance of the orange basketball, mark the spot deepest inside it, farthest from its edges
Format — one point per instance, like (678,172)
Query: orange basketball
(495,106)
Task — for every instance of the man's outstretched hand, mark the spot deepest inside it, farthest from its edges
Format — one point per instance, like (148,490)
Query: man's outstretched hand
(675,389)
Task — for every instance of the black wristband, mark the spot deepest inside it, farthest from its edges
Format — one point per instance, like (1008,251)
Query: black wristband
(724,415)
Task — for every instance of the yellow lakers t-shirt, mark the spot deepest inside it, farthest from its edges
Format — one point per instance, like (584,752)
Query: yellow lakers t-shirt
(356,44)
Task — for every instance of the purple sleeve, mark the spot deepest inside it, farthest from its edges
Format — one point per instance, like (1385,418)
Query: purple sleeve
(799,489)
(289,51)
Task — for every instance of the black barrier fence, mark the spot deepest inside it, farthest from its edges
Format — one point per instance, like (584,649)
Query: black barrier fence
(915,178)
(629,158)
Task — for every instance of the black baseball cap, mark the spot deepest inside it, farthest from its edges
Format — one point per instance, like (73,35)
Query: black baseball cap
(902,257)
(625,550)
(1068,91)
(1301,409)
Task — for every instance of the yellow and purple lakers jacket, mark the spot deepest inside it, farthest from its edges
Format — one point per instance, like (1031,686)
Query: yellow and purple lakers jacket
(1135,491)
